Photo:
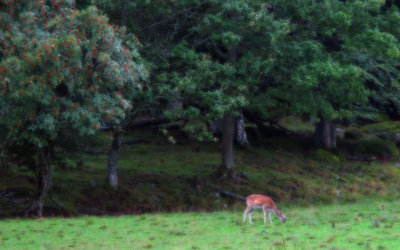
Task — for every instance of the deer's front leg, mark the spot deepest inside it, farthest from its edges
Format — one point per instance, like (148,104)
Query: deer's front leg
(269,214)
(265,215)
(251,211)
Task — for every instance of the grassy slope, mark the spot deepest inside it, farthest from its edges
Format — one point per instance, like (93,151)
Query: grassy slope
(161,177)
(369,224)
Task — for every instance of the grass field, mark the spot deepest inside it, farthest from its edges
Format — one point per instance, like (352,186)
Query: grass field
(369,224)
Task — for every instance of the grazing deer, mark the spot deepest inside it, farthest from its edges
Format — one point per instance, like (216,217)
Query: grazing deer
(267,204)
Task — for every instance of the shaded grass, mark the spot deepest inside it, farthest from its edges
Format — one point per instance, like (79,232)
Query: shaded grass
(157,176)
(387,126)
(368,224)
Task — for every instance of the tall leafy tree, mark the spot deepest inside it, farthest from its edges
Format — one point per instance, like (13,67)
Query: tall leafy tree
(376,50)
(222,56)
(206,54)
(61,70)
(350,42)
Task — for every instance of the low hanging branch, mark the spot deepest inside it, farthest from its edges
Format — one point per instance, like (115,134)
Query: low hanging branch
(140,124)
(149,122)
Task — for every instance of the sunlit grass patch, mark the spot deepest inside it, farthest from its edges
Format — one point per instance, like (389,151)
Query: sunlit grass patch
(371,223)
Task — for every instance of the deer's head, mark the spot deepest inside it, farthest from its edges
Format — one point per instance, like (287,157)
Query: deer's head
(282,217)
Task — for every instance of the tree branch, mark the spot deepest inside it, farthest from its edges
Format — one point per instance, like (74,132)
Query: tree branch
(232,195)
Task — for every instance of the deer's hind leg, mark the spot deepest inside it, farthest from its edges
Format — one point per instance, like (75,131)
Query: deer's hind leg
(251,211)
(247,211)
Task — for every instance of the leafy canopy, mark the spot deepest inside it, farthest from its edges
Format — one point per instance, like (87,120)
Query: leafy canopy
(63,69)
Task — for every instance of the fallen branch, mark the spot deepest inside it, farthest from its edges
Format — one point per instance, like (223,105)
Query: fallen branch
(361,159)
(232,195)
(149,122)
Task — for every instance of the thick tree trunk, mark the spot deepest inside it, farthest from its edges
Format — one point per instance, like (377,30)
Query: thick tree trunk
(44,182)
(325,133)
(113,160)
(228,128)
(240,136)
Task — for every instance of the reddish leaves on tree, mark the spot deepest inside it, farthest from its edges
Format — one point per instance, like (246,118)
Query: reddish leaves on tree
(55,68)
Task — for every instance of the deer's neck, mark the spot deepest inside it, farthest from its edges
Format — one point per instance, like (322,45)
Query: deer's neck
(277,211)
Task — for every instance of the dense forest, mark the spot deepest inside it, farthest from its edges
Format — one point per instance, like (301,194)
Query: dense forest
(133,106)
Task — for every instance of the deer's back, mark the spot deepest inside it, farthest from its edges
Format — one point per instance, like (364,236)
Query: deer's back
(259,200)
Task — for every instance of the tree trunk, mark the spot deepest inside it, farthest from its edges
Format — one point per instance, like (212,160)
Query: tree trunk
(228,127)
(325,133)
(113,160)
(240,135)
(44,182)
(240,131)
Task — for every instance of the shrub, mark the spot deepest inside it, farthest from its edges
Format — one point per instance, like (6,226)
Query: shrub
(325,156)
(377,147)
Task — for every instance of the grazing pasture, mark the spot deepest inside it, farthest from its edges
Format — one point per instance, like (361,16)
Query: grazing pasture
(368,224)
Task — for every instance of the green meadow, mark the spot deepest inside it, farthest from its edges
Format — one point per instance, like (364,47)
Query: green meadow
(367,224)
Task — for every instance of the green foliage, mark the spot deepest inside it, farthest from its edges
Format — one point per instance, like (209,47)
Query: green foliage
(377,147)
(214,57)
(63,69)
(321,87)
(273,59)
(325,156)
(355,33)
(277,58)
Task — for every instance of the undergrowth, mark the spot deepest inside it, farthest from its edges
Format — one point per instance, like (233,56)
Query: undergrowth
(155,176)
